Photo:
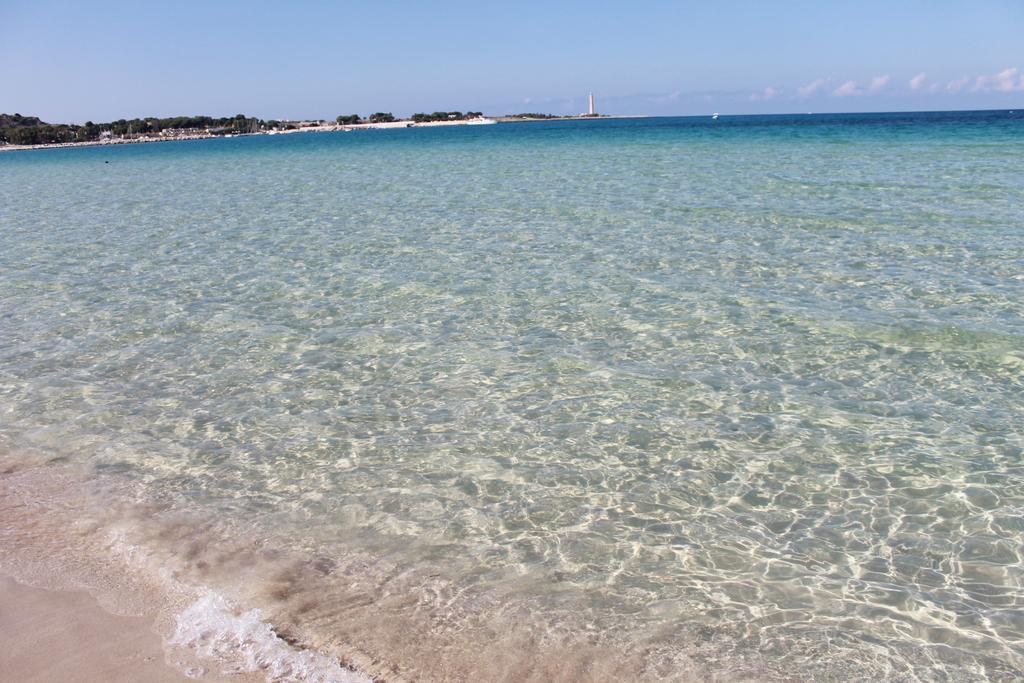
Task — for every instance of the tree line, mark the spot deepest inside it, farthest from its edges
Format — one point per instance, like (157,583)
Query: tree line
(388,117)
(355,119)
(29,130)
(532,115)
(446,116)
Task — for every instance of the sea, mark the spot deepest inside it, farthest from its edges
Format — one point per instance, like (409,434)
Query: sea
(597,400)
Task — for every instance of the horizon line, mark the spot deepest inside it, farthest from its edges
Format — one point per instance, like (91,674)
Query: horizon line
(562,116)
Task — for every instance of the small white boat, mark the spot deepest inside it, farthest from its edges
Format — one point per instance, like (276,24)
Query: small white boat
(715,116)
(482,121)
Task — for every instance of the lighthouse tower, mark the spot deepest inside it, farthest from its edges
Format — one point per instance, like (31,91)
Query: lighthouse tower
(590,108)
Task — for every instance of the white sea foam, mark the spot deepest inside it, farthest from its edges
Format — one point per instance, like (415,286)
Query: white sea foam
(218,630)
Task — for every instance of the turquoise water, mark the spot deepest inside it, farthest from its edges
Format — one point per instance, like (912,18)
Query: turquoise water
(657,398)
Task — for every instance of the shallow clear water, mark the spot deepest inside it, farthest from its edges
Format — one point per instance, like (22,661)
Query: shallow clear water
(733,399)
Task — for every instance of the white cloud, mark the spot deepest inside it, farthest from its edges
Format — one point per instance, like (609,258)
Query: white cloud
(846,89)
(916,82)
(850,88)
(1006,80)
(811,88)
(957,85)
(877,83)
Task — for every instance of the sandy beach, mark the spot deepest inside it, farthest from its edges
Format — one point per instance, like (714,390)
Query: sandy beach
(66,636)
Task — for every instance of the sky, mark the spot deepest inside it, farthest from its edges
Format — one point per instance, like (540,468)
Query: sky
(74,61)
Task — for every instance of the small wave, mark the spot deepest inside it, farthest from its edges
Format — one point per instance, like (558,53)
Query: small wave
(216,629)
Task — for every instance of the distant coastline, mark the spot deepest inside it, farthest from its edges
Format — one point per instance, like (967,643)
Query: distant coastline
(240,126)
(324,128)
(172,135)
(19,132)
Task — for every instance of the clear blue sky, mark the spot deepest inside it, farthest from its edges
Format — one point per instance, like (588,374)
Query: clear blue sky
(73,61)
